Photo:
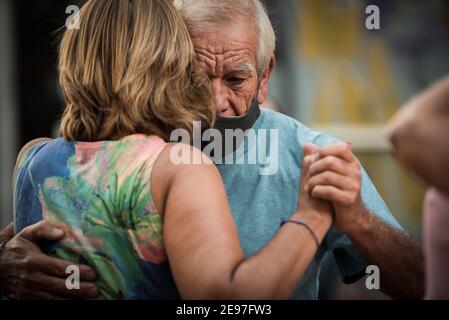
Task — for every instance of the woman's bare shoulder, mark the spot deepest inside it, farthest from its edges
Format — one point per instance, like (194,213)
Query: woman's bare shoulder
(179,162)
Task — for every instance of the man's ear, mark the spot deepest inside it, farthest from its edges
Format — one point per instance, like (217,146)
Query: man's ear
(264,83)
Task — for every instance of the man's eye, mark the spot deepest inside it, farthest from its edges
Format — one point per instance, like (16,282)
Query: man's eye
(236,80)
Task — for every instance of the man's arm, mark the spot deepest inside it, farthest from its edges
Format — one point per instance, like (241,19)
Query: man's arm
(398,256)
(336,177)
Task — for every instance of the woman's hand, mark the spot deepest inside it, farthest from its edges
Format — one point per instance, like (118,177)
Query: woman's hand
(308,207)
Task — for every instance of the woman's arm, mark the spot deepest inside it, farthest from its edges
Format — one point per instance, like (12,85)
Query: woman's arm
(203,245)
(419,134)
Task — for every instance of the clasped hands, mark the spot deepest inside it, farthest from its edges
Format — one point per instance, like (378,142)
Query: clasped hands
(331,183)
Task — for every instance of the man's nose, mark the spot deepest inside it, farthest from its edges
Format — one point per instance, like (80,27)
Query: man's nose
(220,97)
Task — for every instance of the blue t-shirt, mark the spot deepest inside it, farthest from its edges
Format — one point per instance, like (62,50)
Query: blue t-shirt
(259,202)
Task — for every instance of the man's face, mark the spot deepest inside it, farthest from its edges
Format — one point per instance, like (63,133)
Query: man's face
(228,53)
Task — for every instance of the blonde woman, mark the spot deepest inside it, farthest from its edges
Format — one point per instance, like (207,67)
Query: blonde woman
(150,228)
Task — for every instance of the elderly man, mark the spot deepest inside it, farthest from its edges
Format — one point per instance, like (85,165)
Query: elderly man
(235,43)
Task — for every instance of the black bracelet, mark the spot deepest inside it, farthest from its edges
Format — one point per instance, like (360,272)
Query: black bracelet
(317,241)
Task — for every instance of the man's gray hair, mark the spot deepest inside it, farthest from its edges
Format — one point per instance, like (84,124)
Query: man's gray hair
(216,12)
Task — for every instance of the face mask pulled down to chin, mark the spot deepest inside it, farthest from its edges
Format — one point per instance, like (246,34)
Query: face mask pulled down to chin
(227,125)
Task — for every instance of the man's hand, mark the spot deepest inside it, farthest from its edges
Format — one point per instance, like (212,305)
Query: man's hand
(335,176)
(28,273)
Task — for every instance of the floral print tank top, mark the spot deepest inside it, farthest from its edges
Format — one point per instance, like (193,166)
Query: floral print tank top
(100,194)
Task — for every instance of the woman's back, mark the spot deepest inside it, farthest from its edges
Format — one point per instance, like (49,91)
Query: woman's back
(99,193)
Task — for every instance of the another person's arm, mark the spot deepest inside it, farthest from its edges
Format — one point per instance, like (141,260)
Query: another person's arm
(203,245)
(27,273)
(336,177)
(419,134)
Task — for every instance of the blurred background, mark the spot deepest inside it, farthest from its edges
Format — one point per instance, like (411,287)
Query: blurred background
(332,74)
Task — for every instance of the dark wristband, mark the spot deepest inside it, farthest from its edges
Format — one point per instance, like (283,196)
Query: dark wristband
(317,241)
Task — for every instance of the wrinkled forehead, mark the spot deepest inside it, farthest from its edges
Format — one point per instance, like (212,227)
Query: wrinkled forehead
(224,49)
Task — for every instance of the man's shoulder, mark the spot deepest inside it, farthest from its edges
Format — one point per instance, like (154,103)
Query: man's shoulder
(294,130)
(279,120)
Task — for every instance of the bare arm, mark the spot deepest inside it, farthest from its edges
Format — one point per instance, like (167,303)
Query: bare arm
(398,256)
(419,134)
(203,246)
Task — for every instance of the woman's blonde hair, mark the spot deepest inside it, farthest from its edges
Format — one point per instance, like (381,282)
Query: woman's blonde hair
(130,68)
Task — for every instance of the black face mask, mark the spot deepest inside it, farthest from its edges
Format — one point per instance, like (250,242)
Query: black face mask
(243,123)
